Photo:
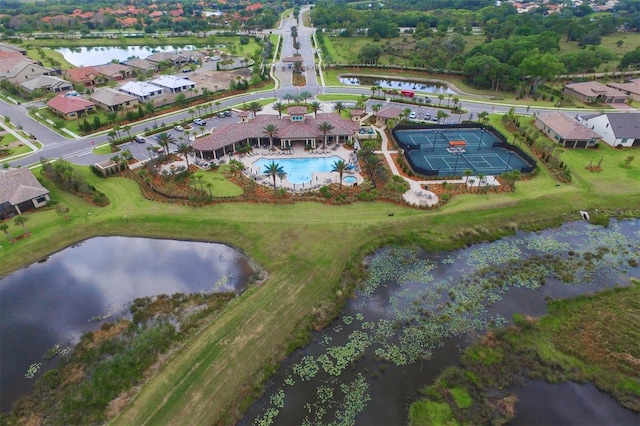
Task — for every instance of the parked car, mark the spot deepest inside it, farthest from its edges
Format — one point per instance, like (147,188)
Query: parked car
(227,113)
(186,70)
(435,119)
(413,115)
(139,139)
(199,122)
(179,129)
(221,115)
(215,58)
(427,116)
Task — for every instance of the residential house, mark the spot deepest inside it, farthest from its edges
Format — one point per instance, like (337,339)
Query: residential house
(565,130)
(296,128)
(113,71)
(46,83)
(70,107)
(593,92)
(629,87)
(174,58)
(616,129)
(142,65)
(20,191)
(87,76)
(143,91)
(113,100)
(174,84)
(387,113)
(12,49)
(23,70)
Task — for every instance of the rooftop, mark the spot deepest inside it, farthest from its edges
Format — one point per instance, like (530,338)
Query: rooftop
(19,185)
(566,127)
(67,104)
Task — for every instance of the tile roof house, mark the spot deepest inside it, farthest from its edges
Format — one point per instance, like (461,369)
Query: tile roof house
(113,100)
(88,76)
(142,65)
(70,107)
(22,70)
(114,71)
(230,137)
(565,130)
(143,91)
(387,113)
(11,48)
(616,129)
(176,58)
(591,92)
(46,83)
(629,87)
(20,191)
(173,84)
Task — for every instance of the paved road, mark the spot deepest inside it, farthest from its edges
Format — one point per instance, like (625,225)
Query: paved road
(79,150)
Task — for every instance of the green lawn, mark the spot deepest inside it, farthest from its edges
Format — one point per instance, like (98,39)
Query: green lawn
(221,187)
(308,273)
(50,54)
(630,41)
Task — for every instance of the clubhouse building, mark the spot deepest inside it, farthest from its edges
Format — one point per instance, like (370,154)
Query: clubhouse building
(294,128)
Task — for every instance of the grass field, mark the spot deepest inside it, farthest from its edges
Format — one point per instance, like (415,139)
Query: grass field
(50,54)
(308,269)
(630,41)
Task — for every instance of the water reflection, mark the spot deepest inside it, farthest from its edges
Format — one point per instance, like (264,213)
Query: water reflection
(99,55)
(53,302)
(429,87)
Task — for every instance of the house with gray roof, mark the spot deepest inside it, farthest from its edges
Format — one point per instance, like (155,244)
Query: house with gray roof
(46,83)
(113,100)
(565,130)
(297,128)
(26,70)
(20,191)
(142,65)
(143,91)
(173,84)
(386,114)
(629,87)
(617,129)
(591,92)
(175,58)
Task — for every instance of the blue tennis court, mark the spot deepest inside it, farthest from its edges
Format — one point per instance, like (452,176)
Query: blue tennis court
(452,151)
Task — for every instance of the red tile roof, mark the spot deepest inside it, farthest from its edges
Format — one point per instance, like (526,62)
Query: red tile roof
(67,104)
(82,74)
(253,7)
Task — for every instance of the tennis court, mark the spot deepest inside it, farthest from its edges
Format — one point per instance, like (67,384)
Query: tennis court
(452,151)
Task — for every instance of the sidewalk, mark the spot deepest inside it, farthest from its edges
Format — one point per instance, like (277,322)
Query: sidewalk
(19,137)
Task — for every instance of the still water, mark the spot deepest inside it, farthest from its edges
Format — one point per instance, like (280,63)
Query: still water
(415,313)
(53,301)
(429,87)
(99,55)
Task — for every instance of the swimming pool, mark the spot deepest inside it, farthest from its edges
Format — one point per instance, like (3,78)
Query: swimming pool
(299,170)
(350,179)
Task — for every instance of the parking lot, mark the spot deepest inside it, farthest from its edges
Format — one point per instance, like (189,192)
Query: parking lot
(423,112)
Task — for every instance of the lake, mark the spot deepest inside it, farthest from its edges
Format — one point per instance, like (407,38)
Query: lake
(422,86)
(53,302)
(99,55)
(417,310)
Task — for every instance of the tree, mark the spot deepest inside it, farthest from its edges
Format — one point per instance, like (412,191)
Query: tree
(539,67)
(254,107)
(127,129)
(440,98)
(375,108)
(274,170)
(20,221)
(630,60)
(339,106)
(369,53)
(185,149)
(339,166)
(271,130)
(441,115)
(288,97)
(315,106)
(280,107)
(483,117)
(305,96)
(466,174)
(164,139)
(325,127)
(5,228)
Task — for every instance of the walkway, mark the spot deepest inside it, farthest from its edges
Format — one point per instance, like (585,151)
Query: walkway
(22,139)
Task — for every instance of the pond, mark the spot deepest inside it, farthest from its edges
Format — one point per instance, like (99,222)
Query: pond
(99,55)
(415,313)
(422,86)
(55,301)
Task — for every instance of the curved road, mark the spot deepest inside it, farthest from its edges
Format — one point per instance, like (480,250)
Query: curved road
(80,150)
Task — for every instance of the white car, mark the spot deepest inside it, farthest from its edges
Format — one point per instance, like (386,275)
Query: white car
(179,129)
(199,122)
(413,115)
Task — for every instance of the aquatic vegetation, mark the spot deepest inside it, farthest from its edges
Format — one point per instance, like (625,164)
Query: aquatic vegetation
(412,302)
(33,370)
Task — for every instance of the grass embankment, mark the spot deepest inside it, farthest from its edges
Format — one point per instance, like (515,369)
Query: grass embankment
(589,338)
(312,253)
(50,58)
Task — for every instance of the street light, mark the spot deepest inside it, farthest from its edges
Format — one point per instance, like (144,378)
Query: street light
(455,166)
(508,161)
(481,136)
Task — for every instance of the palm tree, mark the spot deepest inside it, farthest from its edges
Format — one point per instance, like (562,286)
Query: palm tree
(127,129)
(280,107)
(339,166)
(209,185)
(339,106)
(5,228)
(288,97)
(271,130)
(325,127)
(305,96)
(20,221)
(164,139)
(375,108)
(185,150)
(448,99)
(441,115)
(274,170)
(117,129)
(404,116)
(254,107)
(315,106)
(218,105)
(440,98)
(466,174)
(483,117)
